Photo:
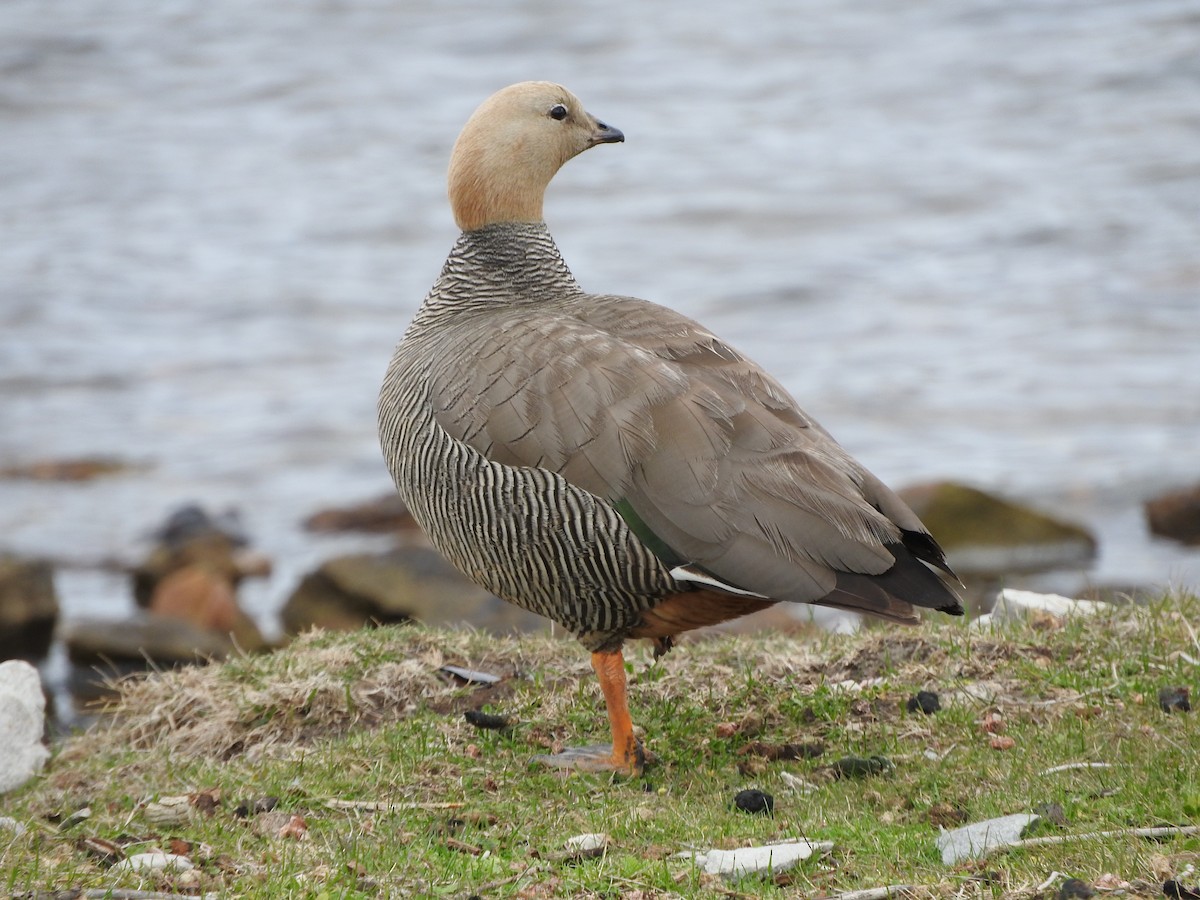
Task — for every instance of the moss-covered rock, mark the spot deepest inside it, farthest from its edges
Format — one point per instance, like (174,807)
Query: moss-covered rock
(348,592)
(986,535)
(28,608)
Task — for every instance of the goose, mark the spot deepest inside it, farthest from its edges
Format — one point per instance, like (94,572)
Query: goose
(609,463)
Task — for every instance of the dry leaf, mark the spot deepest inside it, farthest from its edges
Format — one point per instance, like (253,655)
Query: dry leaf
(993,723)
(295,828)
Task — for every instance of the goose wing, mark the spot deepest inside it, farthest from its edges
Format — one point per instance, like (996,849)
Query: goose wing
(705,455)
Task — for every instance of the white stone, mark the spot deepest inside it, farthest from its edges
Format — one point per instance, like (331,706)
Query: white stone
(1013,606)
(733,864)
(154,861)
(591,844)
(980,838)
(22,722)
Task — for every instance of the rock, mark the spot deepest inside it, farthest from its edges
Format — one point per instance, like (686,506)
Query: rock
(160,639)
(82,469)
(1075,889)
(103,649)
(587,845)
(205,599)
(28,608)
(754,801)
(348,592)
(768,859)
(384,514)
(192,521)
(191,538)
(926,702)
(980,838)
(486,721)
(1176,515)
(22,722)
(155,861)
(194,572)
(1174,699)
(859,766)
(984,535)
(1016,606)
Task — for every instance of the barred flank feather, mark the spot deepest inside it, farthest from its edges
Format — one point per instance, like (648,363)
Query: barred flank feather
(522,532)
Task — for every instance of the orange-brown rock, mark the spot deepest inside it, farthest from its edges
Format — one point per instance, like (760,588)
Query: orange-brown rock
(1176,515)
(205,597)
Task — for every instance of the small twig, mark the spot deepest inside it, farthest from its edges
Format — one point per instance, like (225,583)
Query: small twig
(1100,835)
(463,847)
(1065,767)
(386,806)
(1053,877)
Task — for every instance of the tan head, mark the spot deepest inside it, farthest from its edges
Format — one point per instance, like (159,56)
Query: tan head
(512,146)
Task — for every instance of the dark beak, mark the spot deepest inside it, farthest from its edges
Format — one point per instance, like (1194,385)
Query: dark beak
(606,134)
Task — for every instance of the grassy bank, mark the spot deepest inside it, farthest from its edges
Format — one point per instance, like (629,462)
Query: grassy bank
(431,805)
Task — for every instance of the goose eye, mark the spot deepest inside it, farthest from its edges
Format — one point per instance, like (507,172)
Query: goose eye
(558,111)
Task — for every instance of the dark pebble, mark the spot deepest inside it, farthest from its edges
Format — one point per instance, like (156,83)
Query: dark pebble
(1174,699)
(925,701)
(860,767)
(1178,891)
(754,801)
(261,805)
(1074,888)
(486,720)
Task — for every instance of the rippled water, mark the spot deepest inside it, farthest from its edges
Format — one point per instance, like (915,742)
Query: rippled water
(967,237)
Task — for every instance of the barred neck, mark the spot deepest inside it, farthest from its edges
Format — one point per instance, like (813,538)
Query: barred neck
(511,262)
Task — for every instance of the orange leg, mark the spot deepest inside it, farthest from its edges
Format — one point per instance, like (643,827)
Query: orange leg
(626,749)
(625,755)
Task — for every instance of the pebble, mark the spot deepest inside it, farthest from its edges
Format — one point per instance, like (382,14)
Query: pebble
(1174,699)
(487,721)
(585,845)
(752,800)
(924,701)
(1075,889)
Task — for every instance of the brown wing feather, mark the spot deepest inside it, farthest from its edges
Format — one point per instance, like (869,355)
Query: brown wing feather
(633,401)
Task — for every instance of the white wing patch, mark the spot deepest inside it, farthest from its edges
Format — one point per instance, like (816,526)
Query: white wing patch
(696,576)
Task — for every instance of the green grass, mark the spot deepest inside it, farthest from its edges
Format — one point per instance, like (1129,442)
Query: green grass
(366,717)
